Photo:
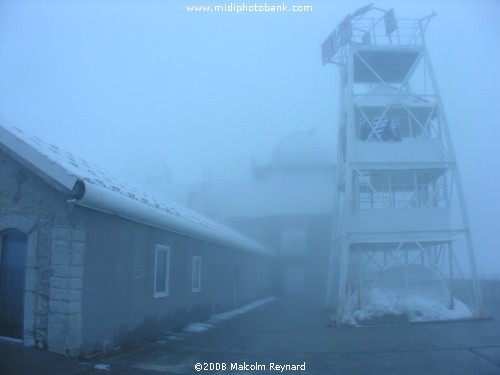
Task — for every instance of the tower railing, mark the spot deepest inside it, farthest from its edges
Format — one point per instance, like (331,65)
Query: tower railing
(375,31)
(397,180)
(361,29)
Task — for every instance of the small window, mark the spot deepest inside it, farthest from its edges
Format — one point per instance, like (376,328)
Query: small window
(162,268)
(196,274)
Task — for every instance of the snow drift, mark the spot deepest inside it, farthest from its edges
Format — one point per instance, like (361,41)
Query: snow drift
(420,296)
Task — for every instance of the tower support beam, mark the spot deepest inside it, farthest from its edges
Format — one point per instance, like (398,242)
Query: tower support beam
(397,179)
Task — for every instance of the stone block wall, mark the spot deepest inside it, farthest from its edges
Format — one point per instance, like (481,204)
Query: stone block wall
(65,296)
(54,263)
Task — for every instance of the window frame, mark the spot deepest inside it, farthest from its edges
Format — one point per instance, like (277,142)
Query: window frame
(196,289)
(166,292)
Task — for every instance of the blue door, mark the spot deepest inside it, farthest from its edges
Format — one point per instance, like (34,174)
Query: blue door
(12,273)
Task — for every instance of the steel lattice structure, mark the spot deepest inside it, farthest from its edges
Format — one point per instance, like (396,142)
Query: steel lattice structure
(399,198)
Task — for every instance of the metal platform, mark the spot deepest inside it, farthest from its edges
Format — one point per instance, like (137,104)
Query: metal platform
(398,196)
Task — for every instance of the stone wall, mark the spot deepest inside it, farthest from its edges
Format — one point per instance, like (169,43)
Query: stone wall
(54,265)
(65,297)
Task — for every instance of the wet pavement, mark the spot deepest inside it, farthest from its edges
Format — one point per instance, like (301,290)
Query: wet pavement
(290,332)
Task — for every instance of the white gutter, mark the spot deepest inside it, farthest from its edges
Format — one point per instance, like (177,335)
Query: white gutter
(47,162)
(102,199)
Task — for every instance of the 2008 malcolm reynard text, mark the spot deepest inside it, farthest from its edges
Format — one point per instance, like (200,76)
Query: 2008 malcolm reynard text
(243,366)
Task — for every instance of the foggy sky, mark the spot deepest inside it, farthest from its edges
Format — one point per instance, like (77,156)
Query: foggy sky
(108,80)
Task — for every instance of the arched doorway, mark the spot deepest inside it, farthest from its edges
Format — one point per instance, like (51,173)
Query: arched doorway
(12,278)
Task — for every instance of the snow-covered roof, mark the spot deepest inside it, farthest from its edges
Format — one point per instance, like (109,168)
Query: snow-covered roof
(91,186)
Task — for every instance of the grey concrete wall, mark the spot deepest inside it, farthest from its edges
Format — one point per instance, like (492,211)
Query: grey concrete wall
(119,306)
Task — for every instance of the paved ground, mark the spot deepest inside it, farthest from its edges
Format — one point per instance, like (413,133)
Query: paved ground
(288,332)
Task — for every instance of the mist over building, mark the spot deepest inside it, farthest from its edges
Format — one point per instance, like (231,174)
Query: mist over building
(352,204)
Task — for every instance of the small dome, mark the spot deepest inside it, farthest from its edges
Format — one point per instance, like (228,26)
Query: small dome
(146,168)
(301,148)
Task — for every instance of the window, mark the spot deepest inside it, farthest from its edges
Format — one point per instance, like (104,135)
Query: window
(162,268)
(401,189)
(388,128)
(396,122)
(196,274)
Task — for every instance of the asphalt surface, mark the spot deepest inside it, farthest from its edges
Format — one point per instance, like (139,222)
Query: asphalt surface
(290,332)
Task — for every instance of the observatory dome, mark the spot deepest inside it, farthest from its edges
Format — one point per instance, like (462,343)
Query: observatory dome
(301,148)
(146,168)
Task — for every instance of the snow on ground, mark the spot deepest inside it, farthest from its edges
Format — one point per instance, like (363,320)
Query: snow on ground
(240,310)
(102,366)
(172,336)
(217,318)
(417,308)
(418,292)
(197,327)
(11,339)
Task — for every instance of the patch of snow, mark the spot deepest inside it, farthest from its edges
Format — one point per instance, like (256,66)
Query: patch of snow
(417,308)
(177,337)
(102,366)
(197,327)
(418,292)
(11,339)
(240,310)
(214,319)
(173,336)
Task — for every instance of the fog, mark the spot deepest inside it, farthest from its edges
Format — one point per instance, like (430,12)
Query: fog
(151,91)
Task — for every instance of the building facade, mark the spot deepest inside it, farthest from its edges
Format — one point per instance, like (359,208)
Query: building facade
(90,261)
(287,204)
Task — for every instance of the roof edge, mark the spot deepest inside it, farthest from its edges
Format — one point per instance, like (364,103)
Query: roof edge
(30,158)
(102,199)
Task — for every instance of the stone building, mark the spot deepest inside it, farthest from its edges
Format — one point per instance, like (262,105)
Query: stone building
(90,261)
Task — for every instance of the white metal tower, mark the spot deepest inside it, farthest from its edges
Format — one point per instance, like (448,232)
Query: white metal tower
(399,198)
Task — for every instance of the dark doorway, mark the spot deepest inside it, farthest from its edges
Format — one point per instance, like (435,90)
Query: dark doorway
(12,274)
